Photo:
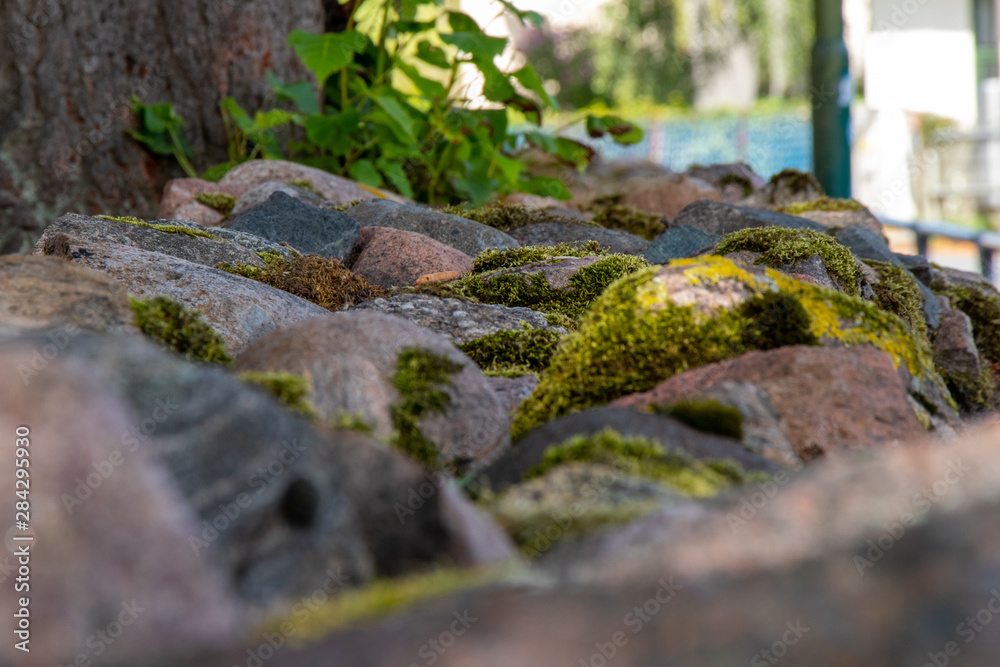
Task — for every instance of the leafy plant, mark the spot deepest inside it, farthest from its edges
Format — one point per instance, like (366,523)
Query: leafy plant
(160,131)
(389,106)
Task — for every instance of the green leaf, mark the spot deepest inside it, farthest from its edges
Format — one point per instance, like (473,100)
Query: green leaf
(214,174)
(236,112)
(333,132)
(547,187)
(476,44)
(396,175)
(154,142)
(327,53)
(272,119)
(462,22)
(432,55)
(496,85)
(427,87)
(302,93)
(524,16)
(364,171)
(396,111)
(413,26)
(622,131)
(528,77)
(509,168)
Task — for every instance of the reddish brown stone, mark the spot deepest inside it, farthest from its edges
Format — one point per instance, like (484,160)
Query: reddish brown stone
(390,256)
(668,196)
(178,202)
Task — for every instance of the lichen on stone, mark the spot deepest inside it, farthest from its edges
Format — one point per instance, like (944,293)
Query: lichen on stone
(217,201)
(706,415)
(782,247)
(421,379)
(822,204)
(321,280)
(291,389)
(168,229)
(181,330)
(304,184)
(513,353)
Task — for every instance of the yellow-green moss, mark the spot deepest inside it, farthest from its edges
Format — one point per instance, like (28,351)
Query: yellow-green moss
(629,219)
(797,181)
(304,184)
(507,217)
(324,281)
(635,336)
(419,378)
(781,247)
(822,204)
(352,422)
(494,260)
(511,353)
(736,179)
(179,329)
(708,416)
(291,389)
(218,201)
(897,292)
(973,393)
(350,204)
(169,229)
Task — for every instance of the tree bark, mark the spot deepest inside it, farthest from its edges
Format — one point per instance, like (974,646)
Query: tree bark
(69,67)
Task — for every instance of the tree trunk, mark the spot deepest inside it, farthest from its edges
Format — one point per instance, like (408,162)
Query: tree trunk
(69,67)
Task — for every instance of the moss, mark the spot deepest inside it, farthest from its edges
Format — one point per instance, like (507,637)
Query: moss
(494,260)
(344,207)
(57,245)
(708,416)
(326,282)
(169,229)
(781,247)
(822,204)
(736,179)
(629,219)
(510,352)
(983,309)
(897,292)
(419,378)
(776,319)
(636,336)
(796,181)
(973,393)
(290,389)
(385,597)
(507,217)
(179,329)
(352,422)
(304,184)
(218,201)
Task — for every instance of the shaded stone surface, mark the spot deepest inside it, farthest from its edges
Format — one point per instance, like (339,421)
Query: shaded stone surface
(333,188)
(259,194)
(460,233)
(392,257)
(719,219)
(552,233)
(461,321)
(178,201)
(310,230)
(513,391)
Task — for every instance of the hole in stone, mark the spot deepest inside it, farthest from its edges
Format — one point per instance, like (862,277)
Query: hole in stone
(298,505)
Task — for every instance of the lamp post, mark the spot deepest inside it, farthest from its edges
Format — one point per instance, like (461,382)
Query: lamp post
(831,94)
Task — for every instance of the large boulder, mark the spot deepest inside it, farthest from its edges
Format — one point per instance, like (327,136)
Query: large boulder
(392,257)
(380,368)
(180,200)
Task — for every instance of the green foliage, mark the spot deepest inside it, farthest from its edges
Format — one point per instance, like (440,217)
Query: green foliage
(179,329)
(160,131)
(708,416)
(781,247)
(290,389)
(419,376)
(386,106)
(512,353)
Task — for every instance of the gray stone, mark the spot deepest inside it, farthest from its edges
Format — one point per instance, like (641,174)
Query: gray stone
(557,272)
(310,230)
(672,434)
(461,321)
(513,391)
(717,218)
(259,194)
(551,233)
(332,188)
(678,242)
(239,309)
(466,235)
(350,359)
(955,350)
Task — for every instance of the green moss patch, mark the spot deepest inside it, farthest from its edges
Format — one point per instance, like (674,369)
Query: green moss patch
(352,422)
(304,184)
(708,416)
(494,260)
(326,282)
(776,319)
(419,378)
(513,353)
(291,389)
(897,292)
(629,219)
(983,309)
(507,217)
(168,229)
(179,329)
(736,179)
(822,204)
(217,201)
(636,336)
(796,181)
(781,247)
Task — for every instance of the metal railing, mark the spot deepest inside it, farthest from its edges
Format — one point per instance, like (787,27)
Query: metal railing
(988,242)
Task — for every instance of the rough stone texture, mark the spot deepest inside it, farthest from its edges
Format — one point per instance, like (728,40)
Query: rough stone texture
(528,452)
(460,233)
(668,197)
(391,257)
(39,292)
(829,398)
(259,194)
(732,192)
(179,202)
(513,391)
(350,359)
(310,230)
(461,321)
(719,219)
(82,230)
(678,242)
(835,220)
(954,347)
(65,96)
(814,268)
(551,233)
(335,189)
(239,309)
(784,188)
(866,244)
(557,273)
(124,543)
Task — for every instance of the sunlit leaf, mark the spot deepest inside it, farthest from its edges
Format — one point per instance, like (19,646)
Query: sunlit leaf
(327,53)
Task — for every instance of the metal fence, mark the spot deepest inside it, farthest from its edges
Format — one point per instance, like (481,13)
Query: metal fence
(987,242)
